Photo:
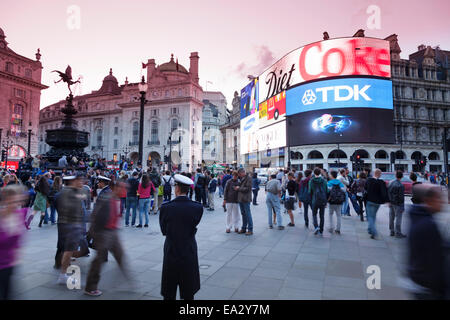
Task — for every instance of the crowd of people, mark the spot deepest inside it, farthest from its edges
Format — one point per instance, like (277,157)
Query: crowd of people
(88,206)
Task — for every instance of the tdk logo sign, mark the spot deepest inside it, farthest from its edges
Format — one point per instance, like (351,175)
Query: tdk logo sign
(337,93)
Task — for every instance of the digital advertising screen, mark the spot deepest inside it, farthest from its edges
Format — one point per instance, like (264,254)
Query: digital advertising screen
(328,58)
(271,137)
(249,99)
(340,93)
(249,127)
(341,125)
(272,110)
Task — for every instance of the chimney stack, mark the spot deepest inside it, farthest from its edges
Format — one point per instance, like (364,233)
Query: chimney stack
(193,68)
(151,67)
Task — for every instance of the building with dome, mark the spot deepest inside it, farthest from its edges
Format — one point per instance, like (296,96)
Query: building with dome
(20,95)
(172,117)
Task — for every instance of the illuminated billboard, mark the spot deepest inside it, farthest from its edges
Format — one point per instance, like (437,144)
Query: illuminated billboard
(341,125)
(340,93)
(328,58)
(271,137)
(249,99)
(272,110)
(249,127)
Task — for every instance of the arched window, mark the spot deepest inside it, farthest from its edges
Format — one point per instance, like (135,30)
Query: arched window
(363,153)
(400,155)
(337,154)
(381,154)
(154,131)
(433,156)
(416,155)
(135,138)
(315,155)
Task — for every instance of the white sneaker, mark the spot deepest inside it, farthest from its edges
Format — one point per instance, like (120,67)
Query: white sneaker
(62,279)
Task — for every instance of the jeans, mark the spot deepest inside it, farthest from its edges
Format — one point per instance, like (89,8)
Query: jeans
(211,199)
(200,195)
(361,209)
(143,209)
(52,214)
(372,209)
(321,211)
(345,206)
(247,222)
(273,204)
(155,201)
(131,204)
(255,195)
(305,211)
(335,208)
(220,191)
(122,205)
(396,214)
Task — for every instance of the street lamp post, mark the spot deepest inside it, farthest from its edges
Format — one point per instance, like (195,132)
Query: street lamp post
(29,142)
(142,90)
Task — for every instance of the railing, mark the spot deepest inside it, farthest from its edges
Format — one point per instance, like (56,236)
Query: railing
(153,143)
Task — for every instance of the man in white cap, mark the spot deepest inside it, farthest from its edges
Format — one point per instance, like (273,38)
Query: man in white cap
(178,221)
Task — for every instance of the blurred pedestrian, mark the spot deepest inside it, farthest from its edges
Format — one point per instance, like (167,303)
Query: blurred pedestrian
(167,182)
(427,250)
(104,231)
(12,227)
(291,197)
(42,189)
(212,187)
(54,190)
(178,221)
(336,198)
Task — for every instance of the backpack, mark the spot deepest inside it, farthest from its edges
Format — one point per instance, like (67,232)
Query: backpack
(337,196)
(156,180)
(167,186)
(319,196)
(304,195)
(201,181)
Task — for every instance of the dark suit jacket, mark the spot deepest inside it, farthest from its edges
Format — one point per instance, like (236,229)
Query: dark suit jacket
(178,220)
(101,212)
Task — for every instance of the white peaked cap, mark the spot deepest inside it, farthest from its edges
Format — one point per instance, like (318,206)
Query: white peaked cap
(180,179)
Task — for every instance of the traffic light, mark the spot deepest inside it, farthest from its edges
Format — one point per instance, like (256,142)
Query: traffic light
(352,158)
(358,158)
(3,155)
(423,161)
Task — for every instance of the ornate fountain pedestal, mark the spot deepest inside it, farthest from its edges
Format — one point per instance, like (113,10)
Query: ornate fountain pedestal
(67,140)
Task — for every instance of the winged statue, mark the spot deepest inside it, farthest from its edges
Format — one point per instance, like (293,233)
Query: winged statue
(67,77)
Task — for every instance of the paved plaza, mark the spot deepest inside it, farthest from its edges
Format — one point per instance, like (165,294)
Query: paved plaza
(271,264)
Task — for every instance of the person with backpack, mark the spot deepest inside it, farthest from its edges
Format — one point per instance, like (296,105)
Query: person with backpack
(199,187)
(413,178)
(376,192)
(212,187)
(273,191)
(396,193)
(55,189)
(336,198)
(318,190)
(167,182)
(358,190)
(255,187)
(344,179)
(305,196)
(156,181)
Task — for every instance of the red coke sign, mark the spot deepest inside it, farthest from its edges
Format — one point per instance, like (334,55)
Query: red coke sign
(324,59)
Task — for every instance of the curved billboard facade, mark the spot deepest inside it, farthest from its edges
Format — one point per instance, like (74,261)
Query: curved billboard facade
(312,86)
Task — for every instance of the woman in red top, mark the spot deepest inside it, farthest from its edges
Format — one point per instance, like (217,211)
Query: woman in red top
(145,190)
(123,193)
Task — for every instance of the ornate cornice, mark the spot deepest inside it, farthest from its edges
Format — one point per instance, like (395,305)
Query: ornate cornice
(21,80)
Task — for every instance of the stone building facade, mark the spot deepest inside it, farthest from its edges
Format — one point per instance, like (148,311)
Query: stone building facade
(214,116)
(231,134)
(20,95)
(421,91)
(172,117)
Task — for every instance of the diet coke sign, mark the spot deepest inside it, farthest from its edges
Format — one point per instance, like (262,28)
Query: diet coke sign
(324,59)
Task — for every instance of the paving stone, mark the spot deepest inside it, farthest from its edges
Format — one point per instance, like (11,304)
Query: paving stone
(244,262)
(228,277)
(343,293)
(345,268)
(287,293)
